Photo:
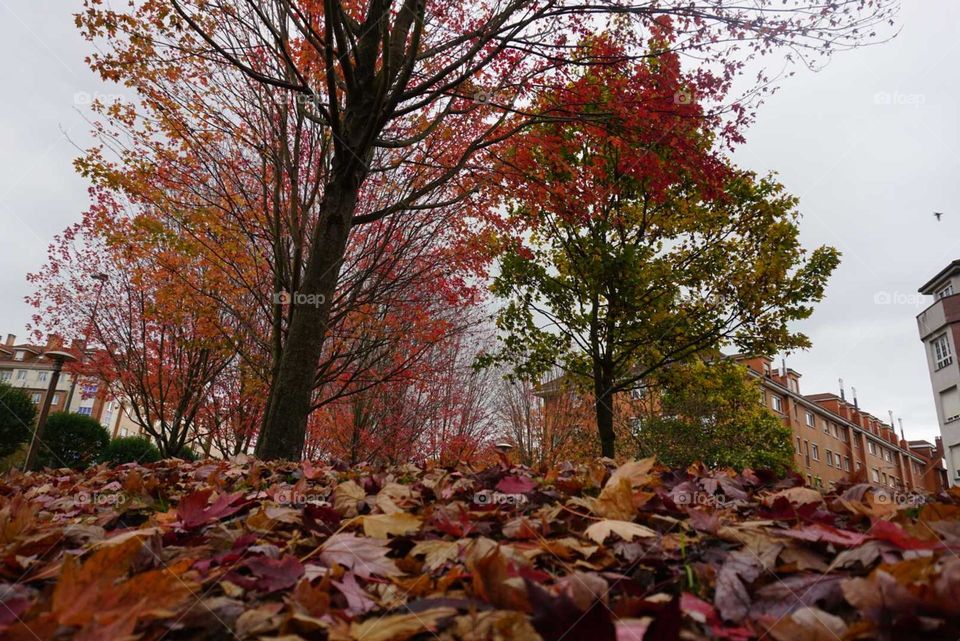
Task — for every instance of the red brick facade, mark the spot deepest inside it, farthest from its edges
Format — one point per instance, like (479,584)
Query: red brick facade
(834,439)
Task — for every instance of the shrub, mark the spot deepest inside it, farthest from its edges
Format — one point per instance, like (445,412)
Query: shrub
(130,449)
(186,454)
(17,412)
(72,440)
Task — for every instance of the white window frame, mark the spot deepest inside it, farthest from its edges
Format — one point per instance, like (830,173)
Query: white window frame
(19,355)
(942,356)
(22,375)
(811,420)
(815,452)
(776,403)
(943,292)
(35,397)
(42,376)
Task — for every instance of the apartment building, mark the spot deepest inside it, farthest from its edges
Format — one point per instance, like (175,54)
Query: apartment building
(939,328)
(833,438)
(23,365)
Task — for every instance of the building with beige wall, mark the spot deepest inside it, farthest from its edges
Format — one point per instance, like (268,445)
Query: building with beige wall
(23,365)
(939,328)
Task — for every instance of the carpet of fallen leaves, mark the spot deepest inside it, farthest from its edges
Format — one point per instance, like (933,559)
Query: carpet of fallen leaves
(248,550)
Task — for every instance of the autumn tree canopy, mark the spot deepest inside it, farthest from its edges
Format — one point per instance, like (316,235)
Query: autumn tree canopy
(352,113)
(640,246)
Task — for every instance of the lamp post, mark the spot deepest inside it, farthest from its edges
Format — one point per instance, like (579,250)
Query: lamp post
(102,279)
(59,358)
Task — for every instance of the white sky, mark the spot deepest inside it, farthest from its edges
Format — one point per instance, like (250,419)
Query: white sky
(869,144)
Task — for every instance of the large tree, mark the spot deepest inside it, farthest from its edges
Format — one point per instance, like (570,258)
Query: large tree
(405,96)
(639,246)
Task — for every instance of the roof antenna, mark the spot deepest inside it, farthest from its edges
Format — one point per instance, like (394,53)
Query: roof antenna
(843,395)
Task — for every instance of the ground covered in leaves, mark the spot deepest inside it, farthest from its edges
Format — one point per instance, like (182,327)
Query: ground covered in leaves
(246,550)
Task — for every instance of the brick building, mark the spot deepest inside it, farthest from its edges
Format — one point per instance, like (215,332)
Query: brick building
(23,365)
(834,438)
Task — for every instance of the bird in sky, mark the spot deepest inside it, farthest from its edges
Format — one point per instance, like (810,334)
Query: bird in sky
(938,214)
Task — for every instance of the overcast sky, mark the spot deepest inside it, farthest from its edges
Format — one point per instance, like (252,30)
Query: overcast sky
(869,144)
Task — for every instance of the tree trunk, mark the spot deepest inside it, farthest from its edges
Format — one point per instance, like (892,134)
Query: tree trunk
(285,420)
(604,406)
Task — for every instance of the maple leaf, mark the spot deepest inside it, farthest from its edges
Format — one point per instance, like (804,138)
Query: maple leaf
(556,618)
(516,485)
(380,526)
(400,627)
(271,575)
(365,557)
(358,601)
(194,510)
(820,533)
(626,530)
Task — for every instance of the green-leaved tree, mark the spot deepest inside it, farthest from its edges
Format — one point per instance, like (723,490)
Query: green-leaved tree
(640,247)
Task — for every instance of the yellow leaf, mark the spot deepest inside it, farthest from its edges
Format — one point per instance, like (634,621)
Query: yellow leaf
(379,526)
(346,496)
(626,530)
(399,627)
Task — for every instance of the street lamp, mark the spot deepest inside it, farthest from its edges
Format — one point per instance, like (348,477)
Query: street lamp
(59,358)
(102,279)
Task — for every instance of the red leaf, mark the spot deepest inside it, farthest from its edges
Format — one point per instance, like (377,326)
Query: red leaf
(516,485)
(194,510)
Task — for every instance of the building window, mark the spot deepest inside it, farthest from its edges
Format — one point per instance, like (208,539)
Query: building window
(943,292)
(19,354)
(875,475)
(950,404)
(872,447)
(829,458)
(5,375)
(86,411)
(859,465)
(42,376)
(810,420)
(776,403)
(836,460)
(816,452)
(22,375)
(941,351)
(846,463)
(35,397)
(799,451)
(56,399)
